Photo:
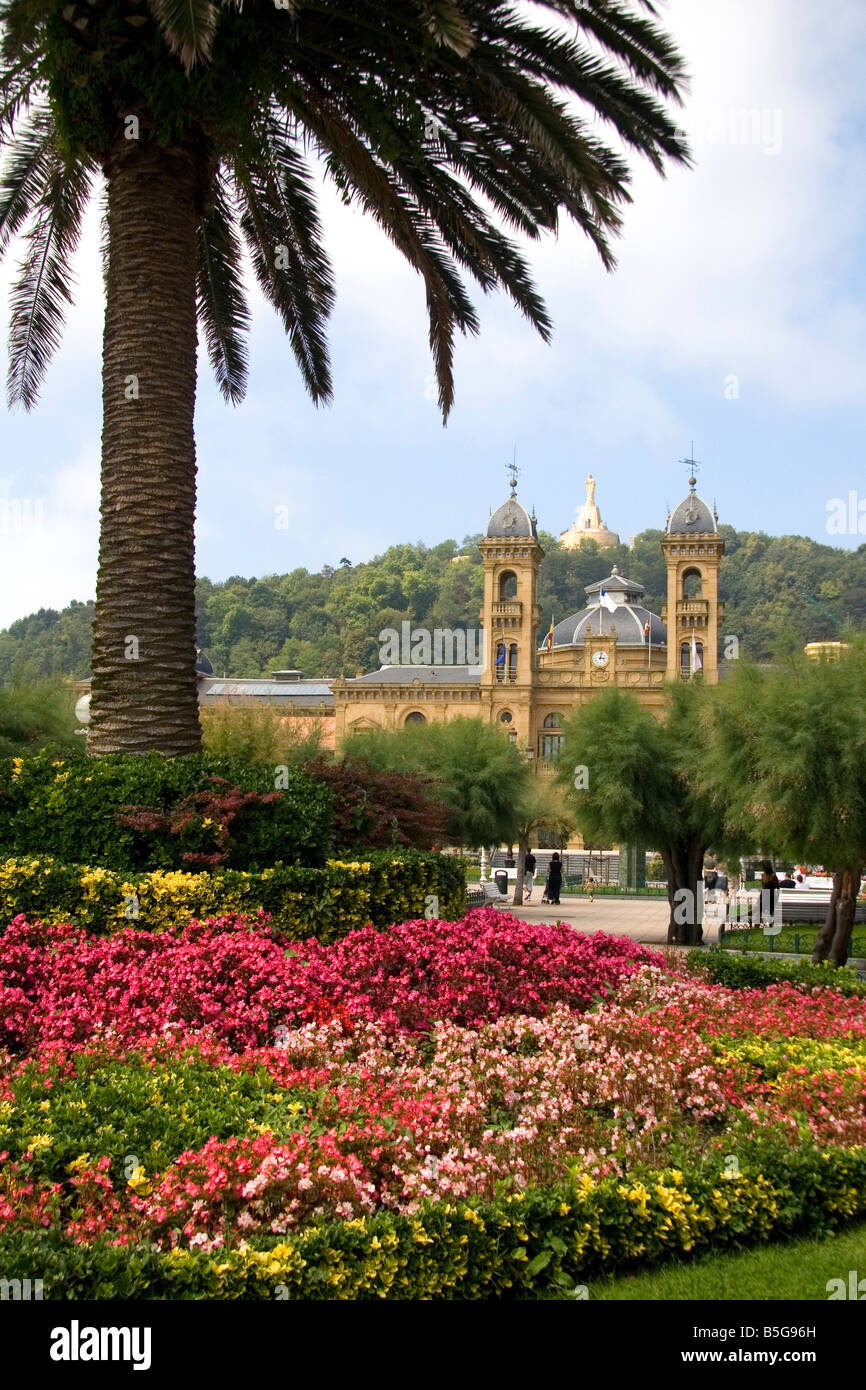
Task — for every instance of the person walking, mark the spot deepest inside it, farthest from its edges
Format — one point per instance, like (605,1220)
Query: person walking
(769,889)
(590,885)
(528,876)
(554,880)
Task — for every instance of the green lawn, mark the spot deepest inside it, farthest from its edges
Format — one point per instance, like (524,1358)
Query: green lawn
(799,1269)
(797,940)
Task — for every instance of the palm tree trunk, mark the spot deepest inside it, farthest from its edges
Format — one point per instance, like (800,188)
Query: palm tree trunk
(143,656)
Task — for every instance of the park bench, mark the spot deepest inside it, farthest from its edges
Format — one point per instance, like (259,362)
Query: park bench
(485,895)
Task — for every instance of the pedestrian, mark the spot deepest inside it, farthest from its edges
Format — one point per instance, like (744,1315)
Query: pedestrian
(769,888)
(528,875)
(590,885)
(554,880)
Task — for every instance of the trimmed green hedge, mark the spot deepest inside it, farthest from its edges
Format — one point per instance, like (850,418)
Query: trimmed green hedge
(66,808)
(520,1243)
(382,888)
(743,971)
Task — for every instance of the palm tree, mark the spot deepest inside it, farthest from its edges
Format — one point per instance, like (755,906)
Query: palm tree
(200,120)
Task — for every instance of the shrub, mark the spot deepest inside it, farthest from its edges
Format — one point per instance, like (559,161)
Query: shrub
(69,809)
(325,903)
(252,732)
(520,1243)
(37,714)
(739,971)
(381,809)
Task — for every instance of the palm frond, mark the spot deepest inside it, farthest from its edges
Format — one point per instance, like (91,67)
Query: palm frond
(43,286)
(446,24)
(222,306)
(363,177)
(23,177)
(17,85)
(188,27)
(281,226)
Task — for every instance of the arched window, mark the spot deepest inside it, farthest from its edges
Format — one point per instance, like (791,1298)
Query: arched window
(553,721)
(685,660)
(692,584)
(512,662)
(507,585)
(416,717)
(499,661)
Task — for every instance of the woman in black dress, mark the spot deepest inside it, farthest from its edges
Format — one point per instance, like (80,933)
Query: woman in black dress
(554,880)
(769,889)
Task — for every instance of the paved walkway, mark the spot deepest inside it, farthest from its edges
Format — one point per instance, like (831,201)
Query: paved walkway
(643,919)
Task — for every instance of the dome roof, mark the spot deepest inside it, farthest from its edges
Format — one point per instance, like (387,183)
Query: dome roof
(692,517)
(511,519)
(628,616)
(629,621)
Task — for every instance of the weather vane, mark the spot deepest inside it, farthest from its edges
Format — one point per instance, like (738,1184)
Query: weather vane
(514,472)
(692,464)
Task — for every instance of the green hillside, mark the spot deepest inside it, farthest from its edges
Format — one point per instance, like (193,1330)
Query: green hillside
(777,590)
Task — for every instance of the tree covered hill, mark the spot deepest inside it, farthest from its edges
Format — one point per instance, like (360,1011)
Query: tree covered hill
(777,590)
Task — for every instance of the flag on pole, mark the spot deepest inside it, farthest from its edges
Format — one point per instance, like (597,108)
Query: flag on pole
(549,642)
(648,639)
(607,601)
(697,663)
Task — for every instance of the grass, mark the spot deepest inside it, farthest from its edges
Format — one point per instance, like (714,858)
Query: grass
(798,1269)
(797,940)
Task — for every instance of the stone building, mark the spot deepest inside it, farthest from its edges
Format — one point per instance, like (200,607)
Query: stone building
(528,682)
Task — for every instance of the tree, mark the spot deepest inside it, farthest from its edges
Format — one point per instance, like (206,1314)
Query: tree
(542,806)
(442,119)
(479,775)
(633,777)
(788,744)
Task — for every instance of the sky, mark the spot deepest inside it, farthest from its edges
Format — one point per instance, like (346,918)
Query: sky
(734,320)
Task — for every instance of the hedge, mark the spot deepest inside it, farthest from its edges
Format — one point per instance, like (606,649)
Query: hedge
(737,970)
(521,1243)
(383,888)
(66,808)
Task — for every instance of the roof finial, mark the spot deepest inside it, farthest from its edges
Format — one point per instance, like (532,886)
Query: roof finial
(514,471)
(693,465)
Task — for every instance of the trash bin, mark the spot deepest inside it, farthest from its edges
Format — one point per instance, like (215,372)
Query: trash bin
(501,880)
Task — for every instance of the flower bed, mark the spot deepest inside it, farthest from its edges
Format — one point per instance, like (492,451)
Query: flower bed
(445,1109)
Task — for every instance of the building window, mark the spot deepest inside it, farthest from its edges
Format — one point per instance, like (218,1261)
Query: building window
(507,586)
(685,660)
(416,717)
(553,721)
(551,746)
(692,584)
(499,661)
(512,662)
(505,716)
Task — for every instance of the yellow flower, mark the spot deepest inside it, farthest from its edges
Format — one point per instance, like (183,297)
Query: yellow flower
(40,1141)
(77,1163)
(139,1183)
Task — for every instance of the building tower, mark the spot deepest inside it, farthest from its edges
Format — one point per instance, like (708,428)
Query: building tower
(692,549)
(510,616)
